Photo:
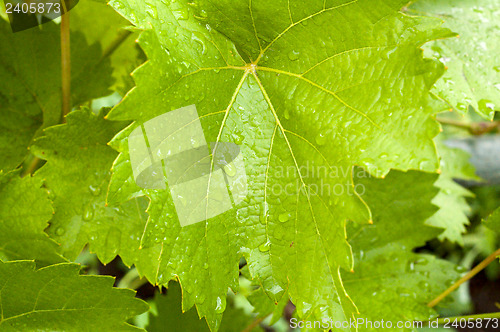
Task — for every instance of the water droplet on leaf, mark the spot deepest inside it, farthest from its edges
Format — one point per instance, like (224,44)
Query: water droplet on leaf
(284,217)
(95,190)
(221,305)
(88,212)
(293,55)
(230,169)
(321,139)
(265,246)
(60,231)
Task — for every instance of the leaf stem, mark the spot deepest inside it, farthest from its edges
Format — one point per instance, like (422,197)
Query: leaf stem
(132,280)
(475,128)
(65,80)
(254,324)
(65,65)
(115,44)
(465,278)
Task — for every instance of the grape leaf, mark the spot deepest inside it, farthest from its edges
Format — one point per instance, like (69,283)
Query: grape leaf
(169,314)
(77,150)
(323,83)
(57,298)
(30,89)
(472,77)
(451,200)
(262,304)
(77,174)
(391,282)
(25,209)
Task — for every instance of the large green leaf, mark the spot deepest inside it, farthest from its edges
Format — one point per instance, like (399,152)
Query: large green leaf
(25,209)
(57,298)
(300,86)
(30,85)
(473,76)
(390,282)
(77,174)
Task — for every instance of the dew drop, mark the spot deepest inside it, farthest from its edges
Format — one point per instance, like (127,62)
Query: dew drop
(60,230)
(425,164)
(462,107)
(383,156)
(88,212)
(133,19)
(203,14)
(221,305)
(265,246)
(113,240)
(230,169)
(151,10)
(181,14)
(284,217)
(264,214)
(200,42)
(293,55)
(424,285)
(118,5)
(182,199)
(287,114)
(421,261)
(200,298)
(52,194)
(276,289)
(486,106)
(321,139)
(95,190)
(238,138)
